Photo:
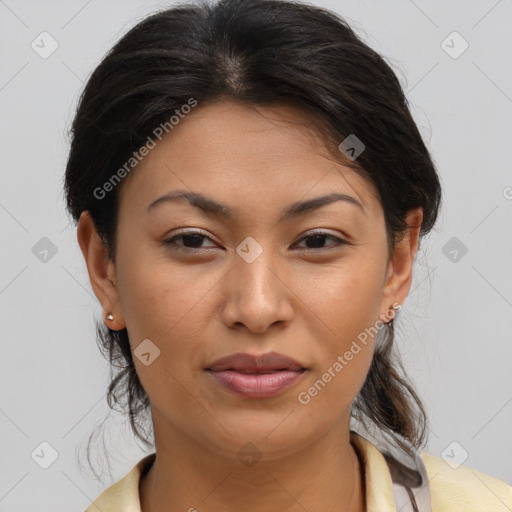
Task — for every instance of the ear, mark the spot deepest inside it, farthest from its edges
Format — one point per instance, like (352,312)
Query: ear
(101,270)
(399,272)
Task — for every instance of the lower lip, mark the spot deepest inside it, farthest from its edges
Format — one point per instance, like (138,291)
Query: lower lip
(257,385)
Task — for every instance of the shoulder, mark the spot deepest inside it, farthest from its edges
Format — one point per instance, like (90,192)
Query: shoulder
(123,495)
(465,489)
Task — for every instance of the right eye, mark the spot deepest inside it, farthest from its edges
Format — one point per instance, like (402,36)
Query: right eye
(192,240)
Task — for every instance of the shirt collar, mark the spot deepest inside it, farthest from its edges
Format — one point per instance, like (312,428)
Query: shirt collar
(377,478)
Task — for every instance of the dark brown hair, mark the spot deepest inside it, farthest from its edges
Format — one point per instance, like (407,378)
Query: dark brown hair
(259,52)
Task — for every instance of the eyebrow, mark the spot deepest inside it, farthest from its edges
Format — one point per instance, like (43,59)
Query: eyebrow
(212,207)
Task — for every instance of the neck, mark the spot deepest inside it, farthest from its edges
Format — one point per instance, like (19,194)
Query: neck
(187,476)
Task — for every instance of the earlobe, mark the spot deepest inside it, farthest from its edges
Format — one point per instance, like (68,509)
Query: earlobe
(402,262)
(100,269)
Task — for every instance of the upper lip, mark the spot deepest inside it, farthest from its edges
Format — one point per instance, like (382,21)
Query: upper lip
(255,363)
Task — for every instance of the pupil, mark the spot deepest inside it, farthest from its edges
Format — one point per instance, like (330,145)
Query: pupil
(317,238)
(198,239)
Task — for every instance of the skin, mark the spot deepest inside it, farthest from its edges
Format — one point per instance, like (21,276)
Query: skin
(200,305)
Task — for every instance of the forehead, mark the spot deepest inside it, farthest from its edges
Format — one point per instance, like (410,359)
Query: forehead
(245,154)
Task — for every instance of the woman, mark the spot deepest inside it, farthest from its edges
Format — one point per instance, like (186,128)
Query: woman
(250,191)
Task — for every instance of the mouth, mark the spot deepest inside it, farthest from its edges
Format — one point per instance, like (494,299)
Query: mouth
(257,384)
(256,376)
(257,363)
(258,372)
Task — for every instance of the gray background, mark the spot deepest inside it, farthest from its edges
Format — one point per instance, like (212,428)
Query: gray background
(454,331)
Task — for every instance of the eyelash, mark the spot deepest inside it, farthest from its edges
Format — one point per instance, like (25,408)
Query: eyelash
(171,242)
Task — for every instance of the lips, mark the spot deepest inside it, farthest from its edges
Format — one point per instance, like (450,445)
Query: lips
(256,376)
(262,363)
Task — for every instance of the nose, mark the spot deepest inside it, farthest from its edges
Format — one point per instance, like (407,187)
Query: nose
(257,295)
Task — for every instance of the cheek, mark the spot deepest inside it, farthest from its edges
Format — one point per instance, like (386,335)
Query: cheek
(171,308)
(346,298)
(346,303)
(167,310)
(159,299)
(337,380)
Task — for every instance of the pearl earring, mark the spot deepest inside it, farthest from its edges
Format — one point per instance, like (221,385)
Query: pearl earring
(396,307)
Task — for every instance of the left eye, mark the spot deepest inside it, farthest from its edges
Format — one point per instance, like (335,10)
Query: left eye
(318,237)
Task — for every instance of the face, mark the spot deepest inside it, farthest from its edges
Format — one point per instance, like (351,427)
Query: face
(202,284)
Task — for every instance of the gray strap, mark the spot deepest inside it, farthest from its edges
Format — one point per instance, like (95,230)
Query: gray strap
(409,476)
(410,483)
